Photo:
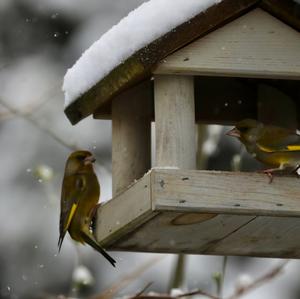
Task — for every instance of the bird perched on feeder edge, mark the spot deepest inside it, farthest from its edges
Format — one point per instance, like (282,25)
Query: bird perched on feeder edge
(79,197)
(275,146)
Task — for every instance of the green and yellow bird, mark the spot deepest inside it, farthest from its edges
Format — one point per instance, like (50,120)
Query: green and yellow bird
(274,146)
(79,197)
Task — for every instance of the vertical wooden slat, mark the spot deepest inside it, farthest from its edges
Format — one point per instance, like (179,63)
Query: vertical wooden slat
(131,136)
(175,129)
(175,134)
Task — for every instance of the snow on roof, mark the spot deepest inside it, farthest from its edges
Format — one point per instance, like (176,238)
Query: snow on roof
(142,26)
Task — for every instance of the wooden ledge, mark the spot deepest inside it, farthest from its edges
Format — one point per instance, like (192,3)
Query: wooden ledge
(204,212)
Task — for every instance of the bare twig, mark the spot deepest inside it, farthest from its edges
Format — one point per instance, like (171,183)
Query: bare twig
(110,293)
(219,277)
(178,277)
(237,294)
(30,108)
(127,279)
(46,130)
(140,293)
(167,296)
(6,115)
(197,292)
(154,296)
(259,281)
(224,265)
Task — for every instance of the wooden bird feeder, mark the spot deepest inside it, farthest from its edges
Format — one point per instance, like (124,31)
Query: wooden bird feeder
(227,63)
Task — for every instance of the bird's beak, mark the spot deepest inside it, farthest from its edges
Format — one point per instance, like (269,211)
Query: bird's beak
(234,133)
(89,160)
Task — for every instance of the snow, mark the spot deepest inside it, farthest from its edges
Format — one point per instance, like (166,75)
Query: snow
(142,26)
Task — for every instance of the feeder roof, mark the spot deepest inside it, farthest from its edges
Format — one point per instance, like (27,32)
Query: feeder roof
(129,52)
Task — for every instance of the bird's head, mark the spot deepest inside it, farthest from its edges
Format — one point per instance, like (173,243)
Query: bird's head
(247,130)
(79,161)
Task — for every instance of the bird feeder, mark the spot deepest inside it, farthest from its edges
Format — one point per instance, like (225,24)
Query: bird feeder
(225,64)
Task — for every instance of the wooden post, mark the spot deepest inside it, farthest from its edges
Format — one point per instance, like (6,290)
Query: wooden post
(175,128)
(175,133)
(131,136)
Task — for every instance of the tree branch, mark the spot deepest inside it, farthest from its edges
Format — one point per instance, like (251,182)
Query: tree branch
(260,281)
(28,117)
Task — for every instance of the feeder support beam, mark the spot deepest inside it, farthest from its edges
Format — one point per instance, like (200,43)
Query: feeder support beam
(175,129)
(131,136)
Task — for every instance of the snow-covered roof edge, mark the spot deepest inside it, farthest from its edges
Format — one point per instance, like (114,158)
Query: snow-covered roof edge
(138,66)
(142,26)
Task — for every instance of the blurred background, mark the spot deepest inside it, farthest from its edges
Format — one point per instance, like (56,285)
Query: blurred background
(39,41)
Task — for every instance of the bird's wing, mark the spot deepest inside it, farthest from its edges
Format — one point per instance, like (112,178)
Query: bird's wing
(275,139)
(72,188)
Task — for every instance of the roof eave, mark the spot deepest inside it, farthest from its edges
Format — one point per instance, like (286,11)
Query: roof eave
(140,65)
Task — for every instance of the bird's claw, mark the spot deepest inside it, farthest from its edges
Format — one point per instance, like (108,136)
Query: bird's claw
(269,174)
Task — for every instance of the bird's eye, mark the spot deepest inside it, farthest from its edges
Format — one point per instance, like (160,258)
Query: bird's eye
(243,129)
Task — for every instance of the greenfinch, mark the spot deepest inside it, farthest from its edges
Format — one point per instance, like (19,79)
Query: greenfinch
(274,146)
(79,197)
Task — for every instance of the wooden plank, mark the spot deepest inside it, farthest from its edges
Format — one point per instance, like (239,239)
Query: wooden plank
(263,236)
(131,136)
(175,129)
(197,212)
(124,213)
(254,45)
(172,232)
(224,192)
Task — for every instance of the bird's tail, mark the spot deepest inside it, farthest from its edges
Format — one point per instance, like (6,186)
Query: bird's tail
(89,239)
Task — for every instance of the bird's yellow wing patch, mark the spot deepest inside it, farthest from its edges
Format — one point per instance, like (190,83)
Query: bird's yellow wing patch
(293,147)
(72,211)
(264,148)
(287,148)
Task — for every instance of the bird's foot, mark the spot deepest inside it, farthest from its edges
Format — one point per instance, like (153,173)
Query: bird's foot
(269,173)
